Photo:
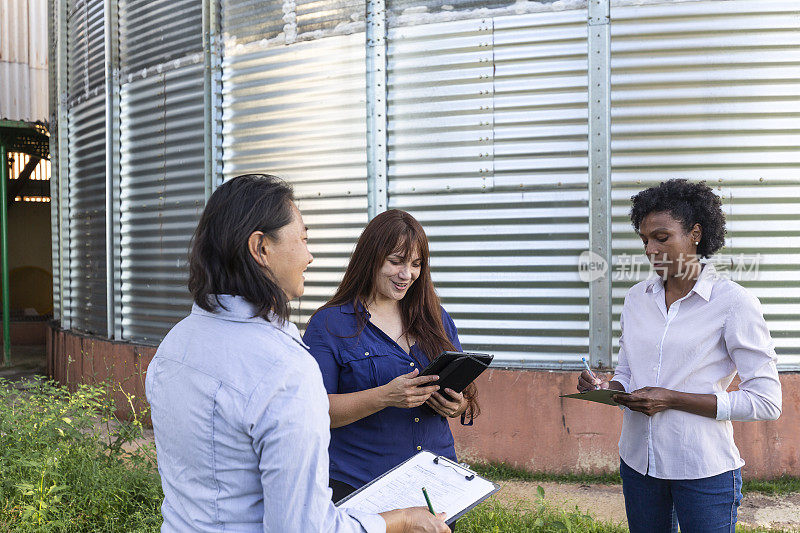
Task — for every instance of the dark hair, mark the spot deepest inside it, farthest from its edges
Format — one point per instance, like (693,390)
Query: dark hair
(690,204)
(220,260)
(396,231)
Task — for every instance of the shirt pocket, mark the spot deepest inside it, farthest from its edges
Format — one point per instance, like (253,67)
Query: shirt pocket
(359,370)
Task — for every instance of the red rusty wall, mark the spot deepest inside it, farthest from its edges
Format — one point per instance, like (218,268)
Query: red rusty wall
(73,358)
(524,422)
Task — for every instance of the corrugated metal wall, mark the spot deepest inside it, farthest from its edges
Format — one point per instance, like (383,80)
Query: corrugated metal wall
(299,112)
(710,90)
(487,146)
(53,118)
(84,227)
(23,60)
(161,160)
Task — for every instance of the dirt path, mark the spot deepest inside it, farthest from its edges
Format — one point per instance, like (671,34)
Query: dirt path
(606,503)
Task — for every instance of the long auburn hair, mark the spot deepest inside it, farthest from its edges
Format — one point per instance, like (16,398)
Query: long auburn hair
(390,232)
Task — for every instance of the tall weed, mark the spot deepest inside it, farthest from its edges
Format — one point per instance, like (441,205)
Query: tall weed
(66,464)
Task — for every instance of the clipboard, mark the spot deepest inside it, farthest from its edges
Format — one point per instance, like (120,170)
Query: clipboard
(452,487)
(456,370)
(599,396)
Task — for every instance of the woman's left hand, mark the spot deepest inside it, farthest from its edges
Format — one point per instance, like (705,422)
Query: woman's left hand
(445,407)
(648,400)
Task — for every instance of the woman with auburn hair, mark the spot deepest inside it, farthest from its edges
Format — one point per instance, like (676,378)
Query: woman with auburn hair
(371,340)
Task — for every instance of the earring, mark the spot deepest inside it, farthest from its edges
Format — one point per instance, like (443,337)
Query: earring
(696,243)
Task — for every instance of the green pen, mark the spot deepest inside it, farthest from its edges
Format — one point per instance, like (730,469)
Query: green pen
(427,499)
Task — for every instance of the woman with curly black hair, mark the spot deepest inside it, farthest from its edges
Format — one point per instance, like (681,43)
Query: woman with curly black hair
(685,335)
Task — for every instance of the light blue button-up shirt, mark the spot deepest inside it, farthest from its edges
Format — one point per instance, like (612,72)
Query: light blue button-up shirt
(241,426)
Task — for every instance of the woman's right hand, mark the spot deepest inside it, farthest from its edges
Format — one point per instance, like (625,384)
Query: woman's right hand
(587,382)
(415,520)
(408,390)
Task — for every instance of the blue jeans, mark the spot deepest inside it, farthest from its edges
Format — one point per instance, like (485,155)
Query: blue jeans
(706,505)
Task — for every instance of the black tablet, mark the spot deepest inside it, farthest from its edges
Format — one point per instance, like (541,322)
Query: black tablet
(456,370)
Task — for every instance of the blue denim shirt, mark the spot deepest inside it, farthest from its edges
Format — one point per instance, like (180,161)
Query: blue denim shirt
(367,448)
(241,426)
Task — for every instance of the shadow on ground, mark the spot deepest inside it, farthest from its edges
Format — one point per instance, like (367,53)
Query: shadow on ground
(26,362)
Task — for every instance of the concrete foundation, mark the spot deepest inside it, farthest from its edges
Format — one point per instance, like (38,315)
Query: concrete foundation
(524,422)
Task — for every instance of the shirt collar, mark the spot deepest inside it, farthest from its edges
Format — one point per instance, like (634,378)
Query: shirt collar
(239,309)
(703,285)
(350,309)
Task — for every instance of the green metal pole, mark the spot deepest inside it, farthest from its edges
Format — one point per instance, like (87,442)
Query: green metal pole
(4,252)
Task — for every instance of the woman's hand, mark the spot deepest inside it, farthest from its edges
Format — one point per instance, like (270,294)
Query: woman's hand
(414,520)
(448,408)
(587,381)
(648,400)
(408,390)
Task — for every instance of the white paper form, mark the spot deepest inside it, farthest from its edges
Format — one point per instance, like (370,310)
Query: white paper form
(445,482)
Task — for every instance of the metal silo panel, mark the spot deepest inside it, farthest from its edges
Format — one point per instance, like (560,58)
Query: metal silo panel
(710,90)
(410,12)
(487,148)
(52,104)
(85,251)
(299,112)
(246,21)
(83,186)
(23,60)
(85,56)
(277,22)
(328,15)
(161,197)
(153,32)
(161,190)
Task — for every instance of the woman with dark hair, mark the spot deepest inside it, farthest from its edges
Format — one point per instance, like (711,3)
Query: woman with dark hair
(685,335)
(383,325)
(238,407)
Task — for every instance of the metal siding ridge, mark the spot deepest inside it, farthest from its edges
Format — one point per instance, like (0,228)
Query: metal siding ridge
(299,112)
(86,260)
(111,60)
(162,196)
(155,33)
(53,50)
(496,240)
(703,90)
(23,60)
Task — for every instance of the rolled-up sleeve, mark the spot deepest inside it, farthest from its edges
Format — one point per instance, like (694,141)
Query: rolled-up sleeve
(751,349)
(622,372)
(289,427)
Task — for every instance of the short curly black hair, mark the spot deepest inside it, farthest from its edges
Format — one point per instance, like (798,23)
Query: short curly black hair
(690,203)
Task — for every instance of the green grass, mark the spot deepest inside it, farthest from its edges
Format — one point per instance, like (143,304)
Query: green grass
(531,517)
(781,485)
(63,467)
(492,517)
(505,472)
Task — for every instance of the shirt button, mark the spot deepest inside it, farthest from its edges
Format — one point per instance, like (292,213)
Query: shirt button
(412,364)
(419,448)
(366,353)
(416,420)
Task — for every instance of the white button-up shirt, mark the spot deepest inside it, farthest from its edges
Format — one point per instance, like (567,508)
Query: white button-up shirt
(696,346)
(241,425)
